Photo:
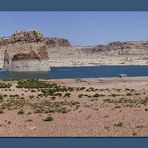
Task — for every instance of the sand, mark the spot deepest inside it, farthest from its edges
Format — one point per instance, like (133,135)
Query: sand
(96,60)
(94,116)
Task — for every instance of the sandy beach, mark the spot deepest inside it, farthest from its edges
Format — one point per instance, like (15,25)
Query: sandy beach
(80,107)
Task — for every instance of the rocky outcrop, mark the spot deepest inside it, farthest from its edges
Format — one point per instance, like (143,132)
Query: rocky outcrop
(27,37)
(22,56)
(126,45)
(28,50)
(119,48)
(4,41)
(26,62)
(42,53)
(33,37)
(53,42)
(6,59)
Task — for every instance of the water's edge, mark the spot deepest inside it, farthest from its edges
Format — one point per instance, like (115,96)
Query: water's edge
(80,72)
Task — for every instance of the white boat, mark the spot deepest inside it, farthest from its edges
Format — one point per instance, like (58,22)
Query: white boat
(122,75)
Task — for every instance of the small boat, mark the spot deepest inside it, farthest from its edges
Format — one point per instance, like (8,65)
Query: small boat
(122,75)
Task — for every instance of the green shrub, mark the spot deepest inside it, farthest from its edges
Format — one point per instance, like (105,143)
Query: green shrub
(1,97)
(1,111)
(48,118)
(119,124)
(62,110)
(137,94)
(129,94)
(20,112)
(67,95)
(29,120)
(80,95)
(98,95)
(5,95)
(114,95)
(33,84)
(58,94)
(4,85)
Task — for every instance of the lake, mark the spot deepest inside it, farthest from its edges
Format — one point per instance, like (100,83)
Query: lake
(79,72)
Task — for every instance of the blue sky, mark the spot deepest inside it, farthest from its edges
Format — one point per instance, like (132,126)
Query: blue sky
(81,28)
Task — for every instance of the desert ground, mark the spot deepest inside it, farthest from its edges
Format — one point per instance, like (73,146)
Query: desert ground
(97,60)
(74,107)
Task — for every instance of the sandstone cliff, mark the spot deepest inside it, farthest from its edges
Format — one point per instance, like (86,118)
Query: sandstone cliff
(28,51)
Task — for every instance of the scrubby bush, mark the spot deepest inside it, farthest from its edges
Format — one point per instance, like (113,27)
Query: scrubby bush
(48,118)
(4,85)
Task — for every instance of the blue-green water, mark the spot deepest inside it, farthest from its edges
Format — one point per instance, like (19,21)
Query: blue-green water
(79,72)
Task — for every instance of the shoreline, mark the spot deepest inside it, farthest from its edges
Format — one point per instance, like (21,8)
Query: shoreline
(89,65)
(97,65)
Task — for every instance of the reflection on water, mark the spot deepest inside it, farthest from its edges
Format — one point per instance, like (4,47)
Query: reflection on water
(23,75)
(79,72)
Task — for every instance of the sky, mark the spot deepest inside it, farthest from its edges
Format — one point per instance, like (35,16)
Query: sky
(80,28)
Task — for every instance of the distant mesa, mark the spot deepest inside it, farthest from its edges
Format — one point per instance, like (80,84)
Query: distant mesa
(118,48)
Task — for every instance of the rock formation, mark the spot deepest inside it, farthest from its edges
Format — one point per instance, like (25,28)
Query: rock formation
(33,37)
(27,37)
(26,62)
(6,59)
(22,56)
(28,51)
(31,51)
(42,53)
(121,48)
(56,42)
(4,41)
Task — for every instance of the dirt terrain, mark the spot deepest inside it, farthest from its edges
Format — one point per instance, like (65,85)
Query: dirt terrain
(74,107)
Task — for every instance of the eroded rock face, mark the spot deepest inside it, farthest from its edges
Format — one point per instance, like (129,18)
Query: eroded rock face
(4,41)
(33,37)
(28,50)
(42,53)
(27,62)
(22,56)
(6,59)
(29,65)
